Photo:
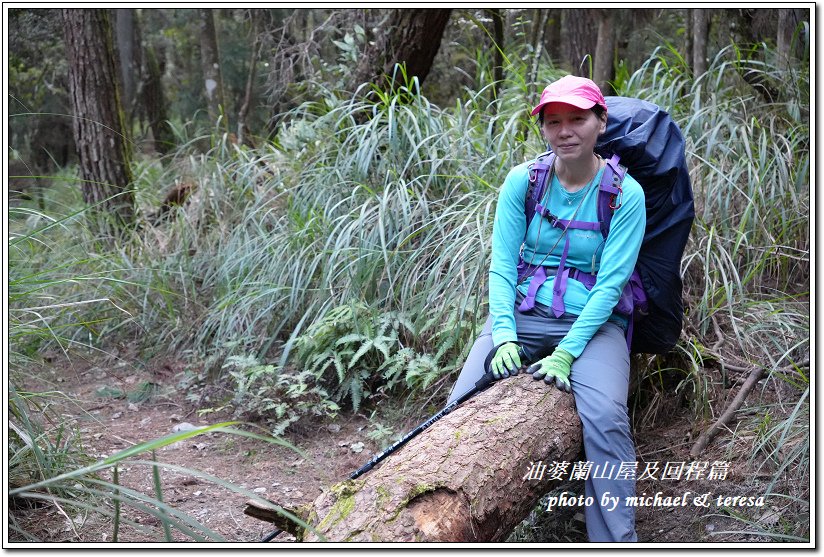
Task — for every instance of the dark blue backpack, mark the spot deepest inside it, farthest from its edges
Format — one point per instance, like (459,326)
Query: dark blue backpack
(649,143)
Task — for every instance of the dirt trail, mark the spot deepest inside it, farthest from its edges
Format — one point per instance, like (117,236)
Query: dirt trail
(107,424)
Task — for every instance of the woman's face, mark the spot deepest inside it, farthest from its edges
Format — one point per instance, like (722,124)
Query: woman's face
(572,132)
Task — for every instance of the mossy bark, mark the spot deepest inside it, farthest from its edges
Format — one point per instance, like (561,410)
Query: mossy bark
(467,487)
(99,130)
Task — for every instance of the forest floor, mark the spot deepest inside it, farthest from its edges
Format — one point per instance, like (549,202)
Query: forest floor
(107,424)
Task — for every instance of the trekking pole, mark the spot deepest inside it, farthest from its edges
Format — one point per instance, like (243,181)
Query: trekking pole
(482,384)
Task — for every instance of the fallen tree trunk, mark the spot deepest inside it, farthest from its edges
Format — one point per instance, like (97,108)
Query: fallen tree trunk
(465,479)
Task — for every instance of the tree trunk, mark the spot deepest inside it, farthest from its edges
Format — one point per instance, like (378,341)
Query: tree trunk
(538,33)
(465,478)
(605,50)
(212,79)
(128,50)
(700,30)
(688,35)
(578,39)
(497,48)
(786,27)
(243,133)
(413,37)
(154,101)
(98,123)
(553,34)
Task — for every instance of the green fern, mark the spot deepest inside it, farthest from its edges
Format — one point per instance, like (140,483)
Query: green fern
(265,391)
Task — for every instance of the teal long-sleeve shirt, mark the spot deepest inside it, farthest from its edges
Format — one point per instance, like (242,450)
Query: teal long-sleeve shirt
(613,260)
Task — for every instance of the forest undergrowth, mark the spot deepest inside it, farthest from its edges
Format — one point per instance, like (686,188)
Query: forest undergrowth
(343,265)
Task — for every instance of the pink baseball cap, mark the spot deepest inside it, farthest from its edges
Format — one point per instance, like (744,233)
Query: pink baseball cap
(579,92)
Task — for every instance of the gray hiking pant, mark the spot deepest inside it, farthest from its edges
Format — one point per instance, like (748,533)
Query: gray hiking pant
(600,382)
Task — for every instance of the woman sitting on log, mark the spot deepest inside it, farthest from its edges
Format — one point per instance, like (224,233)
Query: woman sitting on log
(548,309)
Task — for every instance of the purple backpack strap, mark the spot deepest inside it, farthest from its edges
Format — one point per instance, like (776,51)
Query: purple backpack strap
(538,180)
(609,192)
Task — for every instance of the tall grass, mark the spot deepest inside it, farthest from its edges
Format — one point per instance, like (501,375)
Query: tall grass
(67,294)
(48,467)
(387,202)
(747,266)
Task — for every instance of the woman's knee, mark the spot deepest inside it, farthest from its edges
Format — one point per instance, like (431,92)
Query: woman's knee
(603,412)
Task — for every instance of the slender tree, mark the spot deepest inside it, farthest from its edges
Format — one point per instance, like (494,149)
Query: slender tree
(99,130)
(127,37)
(538,33)
(243,135)
(787,22)
(210,62)
(497,47)
(154,100)
(688,48)
(700,31)
(604,71)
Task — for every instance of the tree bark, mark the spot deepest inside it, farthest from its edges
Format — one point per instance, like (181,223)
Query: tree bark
(465,478)
(786,27)
(700,30)
(210,62)
(243,133)
(128,50)
(538,33)
(604,50)
(578,39)
(553,34)
(413,37)
(688,35)
(154,101)
(98,119)
(497,47)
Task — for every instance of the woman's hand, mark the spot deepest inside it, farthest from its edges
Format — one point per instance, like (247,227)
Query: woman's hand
(555,368)
(506,361)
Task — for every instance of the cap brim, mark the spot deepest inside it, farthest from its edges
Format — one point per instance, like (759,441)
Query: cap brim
(571,100)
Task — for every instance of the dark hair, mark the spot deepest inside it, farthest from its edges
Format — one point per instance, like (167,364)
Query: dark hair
(597,109)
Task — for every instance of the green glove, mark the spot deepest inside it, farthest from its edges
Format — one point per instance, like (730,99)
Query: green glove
(507,361)
(554,368)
